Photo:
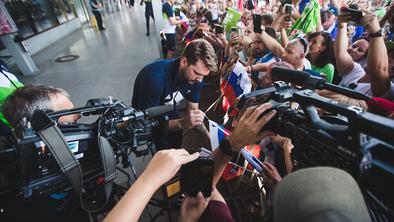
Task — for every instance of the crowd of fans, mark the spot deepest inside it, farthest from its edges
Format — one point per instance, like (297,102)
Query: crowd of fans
(348,43)
(354,52)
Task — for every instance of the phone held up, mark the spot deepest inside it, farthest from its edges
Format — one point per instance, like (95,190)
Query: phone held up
(257,23)
(219,29)
(288,12)
(355,15)
(198,175)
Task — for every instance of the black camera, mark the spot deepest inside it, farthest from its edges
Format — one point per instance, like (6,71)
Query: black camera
(347,137)
(48,157)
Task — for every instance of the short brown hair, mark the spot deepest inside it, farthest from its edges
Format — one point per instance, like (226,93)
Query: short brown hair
(201,49)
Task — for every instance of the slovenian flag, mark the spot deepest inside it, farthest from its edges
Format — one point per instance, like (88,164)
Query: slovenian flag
(216,134)
(236,84)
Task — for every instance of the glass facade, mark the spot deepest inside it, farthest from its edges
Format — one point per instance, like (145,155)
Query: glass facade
(34,16)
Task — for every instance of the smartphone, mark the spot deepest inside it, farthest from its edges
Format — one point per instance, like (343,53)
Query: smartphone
(219,29)
(288,12)
(242,56)
(233,29)
(257,23)
(197,176)
(252,160)
(356,15)
(250,5)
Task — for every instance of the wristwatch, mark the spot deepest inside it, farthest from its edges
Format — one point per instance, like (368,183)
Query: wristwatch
(376,34)
(225,147)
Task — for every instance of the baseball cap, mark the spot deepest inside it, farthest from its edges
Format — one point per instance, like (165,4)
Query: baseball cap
(319,194)
(333,10)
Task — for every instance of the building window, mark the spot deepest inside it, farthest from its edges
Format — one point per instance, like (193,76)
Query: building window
(34,16)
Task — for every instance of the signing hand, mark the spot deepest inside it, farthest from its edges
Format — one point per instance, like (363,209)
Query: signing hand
(193,118)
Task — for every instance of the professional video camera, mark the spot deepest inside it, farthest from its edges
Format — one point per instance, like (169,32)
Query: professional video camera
(346,137)
(49,157)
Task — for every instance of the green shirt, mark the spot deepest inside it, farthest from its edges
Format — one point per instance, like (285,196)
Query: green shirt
(327,70)
(6,89)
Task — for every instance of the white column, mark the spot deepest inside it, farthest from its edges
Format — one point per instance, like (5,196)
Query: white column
(23,59)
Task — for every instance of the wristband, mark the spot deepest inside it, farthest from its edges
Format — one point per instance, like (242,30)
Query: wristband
(225,147)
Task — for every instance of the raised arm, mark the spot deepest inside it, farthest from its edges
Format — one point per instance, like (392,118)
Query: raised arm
(344,61)
(377,61)
(160,169)
(272,45)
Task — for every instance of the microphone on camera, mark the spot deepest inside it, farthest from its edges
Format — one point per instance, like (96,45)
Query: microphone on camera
(161,110)
(303,78)
(297,77)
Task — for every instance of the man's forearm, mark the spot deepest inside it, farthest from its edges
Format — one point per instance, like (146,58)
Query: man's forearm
(221,161)
(272,45)
(130,207)
(377,65)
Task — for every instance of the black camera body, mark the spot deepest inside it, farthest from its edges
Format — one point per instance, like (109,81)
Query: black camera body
(348,138)
(34,169)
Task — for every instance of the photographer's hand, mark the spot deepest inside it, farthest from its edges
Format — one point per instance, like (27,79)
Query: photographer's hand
(247,131)
(160,169)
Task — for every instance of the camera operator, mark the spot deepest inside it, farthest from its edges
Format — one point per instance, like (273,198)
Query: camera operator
(166,163)
(61,206)
(168,81)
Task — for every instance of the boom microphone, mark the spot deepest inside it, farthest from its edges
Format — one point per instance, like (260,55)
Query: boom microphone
(161,110)
(293,76)
(303,78)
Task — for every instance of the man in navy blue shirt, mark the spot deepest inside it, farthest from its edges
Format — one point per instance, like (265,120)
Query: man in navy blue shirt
(169,81)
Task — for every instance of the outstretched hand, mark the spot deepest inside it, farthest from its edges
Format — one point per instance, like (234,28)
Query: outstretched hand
(248,129)
(166,163)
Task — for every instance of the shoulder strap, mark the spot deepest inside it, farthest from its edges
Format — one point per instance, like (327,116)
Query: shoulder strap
(69,165)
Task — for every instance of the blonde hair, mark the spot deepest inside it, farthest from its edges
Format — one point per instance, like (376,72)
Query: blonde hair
(343,99)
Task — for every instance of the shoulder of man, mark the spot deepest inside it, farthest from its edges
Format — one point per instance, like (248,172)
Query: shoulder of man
(156,71)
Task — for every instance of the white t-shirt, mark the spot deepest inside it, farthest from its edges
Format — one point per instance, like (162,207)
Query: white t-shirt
(167,13)
(355,75)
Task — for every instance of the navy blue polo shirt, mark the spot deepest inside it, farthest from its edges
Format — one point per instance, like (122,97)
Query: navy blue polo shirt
(159,83)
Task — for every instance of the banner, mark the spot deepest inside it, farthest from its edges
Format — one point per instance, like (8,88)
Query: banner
(231,19)
(307,22)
